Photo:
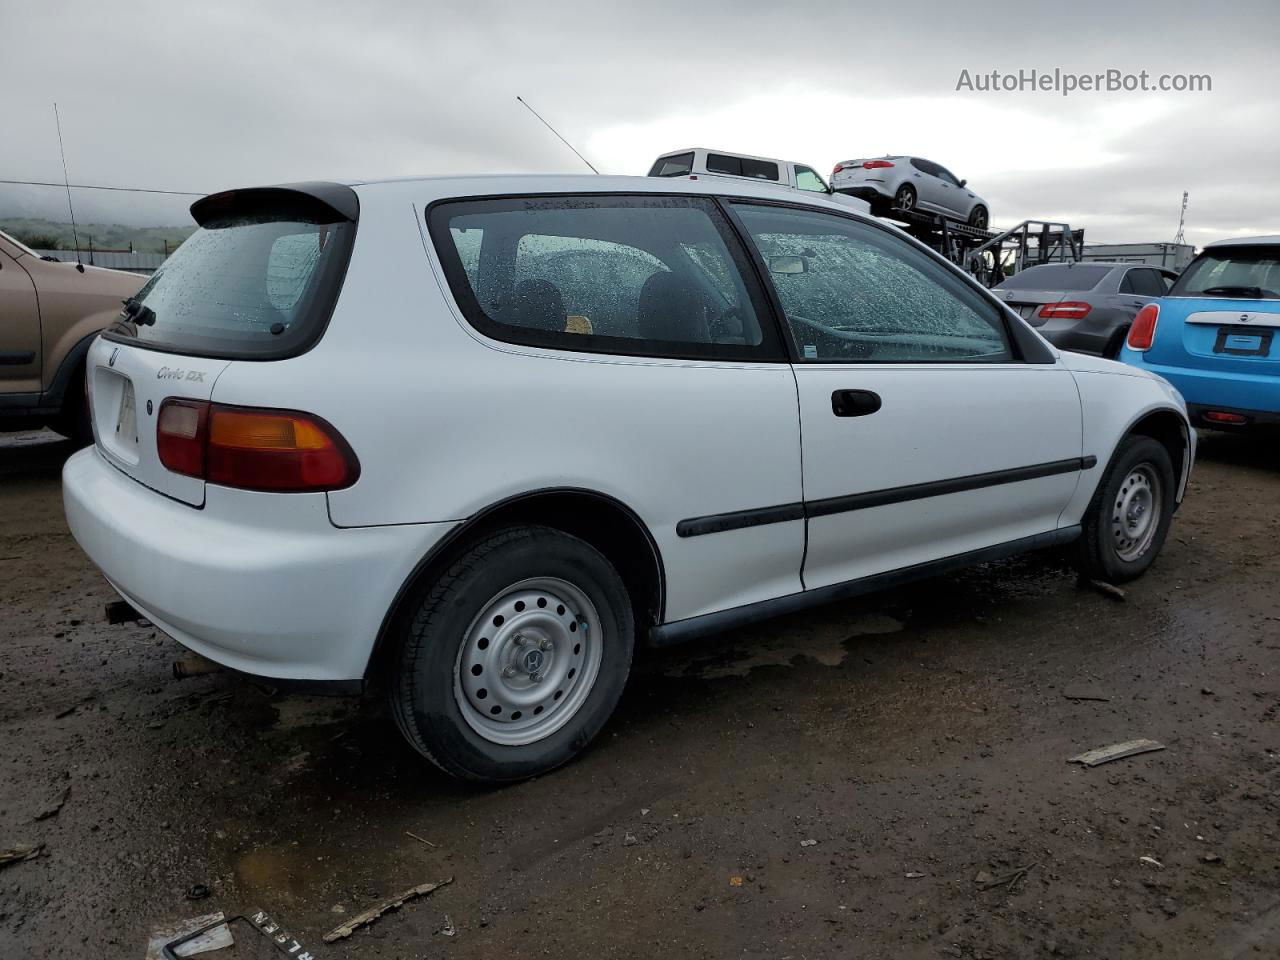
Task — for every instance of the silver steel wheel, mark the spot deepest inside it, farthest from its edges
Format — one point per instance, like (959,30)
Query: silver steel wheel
(528,661)
(1135,515)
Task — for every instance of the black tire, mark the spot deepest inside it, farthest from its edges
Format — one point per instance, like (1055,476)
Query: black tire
(905,198)
(979,218)
(425,690)
(73,420)
(1099,553)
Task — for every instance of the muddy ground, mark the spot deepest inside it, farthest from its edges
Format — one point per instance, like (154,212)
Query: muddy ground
(918,738)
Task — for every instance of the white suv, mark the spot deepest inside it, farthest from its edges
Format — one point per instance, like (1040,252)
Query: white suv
(484,436)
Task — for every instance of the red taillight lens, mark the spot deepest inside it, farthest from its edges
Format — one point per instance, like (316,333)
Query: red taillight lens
(1143,332)
(180,435)
(272,450)
(1066,310)
(1218,416)
(876,164)
(839,167)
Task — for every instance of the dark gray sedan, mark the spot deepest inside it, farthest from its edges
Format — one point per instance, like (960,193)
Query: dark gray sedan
(1085,307)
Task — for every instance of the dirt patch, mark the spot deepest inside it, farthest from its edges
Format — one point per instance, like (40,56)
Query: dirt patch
(919,737)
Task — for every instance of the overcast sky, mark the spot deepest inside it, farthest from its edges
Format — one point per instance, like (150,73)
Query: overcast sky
(202,97)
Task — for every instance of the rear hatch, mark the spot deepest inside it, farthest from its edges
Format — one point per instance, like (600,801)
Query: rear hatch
(1030,289)
(255,283)
(1223,313)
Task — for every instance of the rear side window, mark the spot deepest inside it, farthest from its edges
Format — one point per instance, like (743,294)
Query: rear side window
(640,276)
(258,285)
(1249,273)
(677,165)
(1057,276)
(1144,282)
(741,167)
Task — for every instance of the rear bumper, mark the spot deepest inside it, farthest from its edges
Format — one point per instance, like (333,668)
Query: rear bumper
(1258,395)
(261,583)
(863,191)
(1253,418)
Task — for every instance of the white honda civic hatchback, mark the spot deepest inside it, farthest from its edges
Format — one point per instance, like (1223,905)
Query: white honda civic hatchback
(483,437)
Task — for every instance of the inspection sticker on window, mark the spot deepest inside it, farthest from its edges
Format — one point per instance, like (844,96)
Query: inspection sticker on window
(810,352)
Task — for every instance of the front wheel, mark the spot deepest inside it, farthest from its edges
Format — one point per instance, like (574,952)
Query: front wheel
(978,217)
(1128,520)
(515,657)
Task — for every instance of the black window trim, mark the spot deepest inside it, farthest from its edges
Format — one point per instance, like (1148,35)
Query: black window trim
(773,348)
(1025,346)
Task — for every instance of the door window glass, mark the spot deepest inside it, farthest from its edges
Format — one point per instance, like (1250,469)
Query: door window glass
(852,292)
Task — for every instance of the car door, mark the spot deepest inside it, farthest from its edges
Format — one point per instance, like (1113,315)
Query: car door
(955,200)
(925,434)
(19,329)
(929,192)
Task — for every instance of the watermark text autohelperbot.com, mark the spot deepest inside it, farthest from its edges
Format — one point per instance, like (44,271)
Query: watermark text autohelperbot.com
(1066,83)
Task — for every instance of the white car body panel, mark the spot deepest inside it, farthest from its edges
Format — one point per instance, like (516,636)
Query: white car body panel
(447,423)
(959,415)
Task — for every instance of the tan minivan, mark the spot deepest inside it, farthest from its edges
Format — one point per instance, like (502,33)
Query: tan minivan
(50,312)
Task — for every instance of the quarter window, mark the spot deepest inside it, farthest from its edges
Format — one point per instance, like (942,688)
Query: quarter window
(677,165)
(808,179)
(852,292)
(656,276)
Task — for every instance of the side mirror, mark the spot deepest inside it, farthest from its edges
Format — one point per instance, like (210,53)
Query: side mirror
(788,265)
(963,182)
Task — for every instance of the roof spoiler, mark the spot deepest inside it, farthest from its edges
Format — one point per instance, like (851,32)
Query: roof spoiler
(321,201)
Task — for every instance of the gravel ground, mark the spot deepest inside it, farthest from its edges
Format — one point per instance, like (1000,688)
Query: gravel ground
(825,785)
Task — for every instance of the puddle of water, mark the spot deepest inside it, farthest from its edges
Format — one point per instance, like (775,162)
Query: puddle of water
(824,642)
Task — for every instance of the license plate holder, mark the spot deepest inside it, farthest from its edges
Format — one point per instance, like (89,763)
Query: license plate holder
(1243,342)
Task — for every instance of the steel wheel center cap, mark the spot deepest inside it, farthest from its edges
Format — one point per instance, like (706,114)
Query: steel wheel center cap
(532,661)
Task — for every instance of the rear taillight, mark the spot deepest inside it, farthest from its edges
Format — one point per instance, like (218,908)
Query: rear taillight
(1066,310)
(180,435)
(839,167)
(876,164)
(283,451)
(1143,332)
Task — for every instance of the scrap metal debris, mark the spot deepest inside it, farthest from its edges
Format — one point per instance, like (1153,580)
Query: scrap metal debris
(914,875)
(420,839)
(216,935)
(344,930)
(1118,751)
(447,929)
(20,852)
(1151,862)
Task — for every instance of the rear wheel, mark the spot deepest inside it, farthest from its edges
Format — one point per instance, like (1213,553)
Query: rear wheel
(1128,520)
(1115,344)
(515,657)
(905,198)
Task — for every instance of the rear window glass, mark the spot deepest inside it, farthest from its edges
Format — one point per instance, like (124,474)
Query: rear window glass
(635,276)
(673,166)
(741,167)
(1057,276)
(243,287)
(1246,273)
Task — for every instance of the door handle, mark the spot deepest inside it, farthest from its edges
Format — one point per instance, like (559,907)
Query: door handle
(854,403)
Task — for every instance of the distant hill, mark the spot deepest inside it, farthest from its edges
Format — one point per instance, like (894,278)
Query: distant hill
(37,233)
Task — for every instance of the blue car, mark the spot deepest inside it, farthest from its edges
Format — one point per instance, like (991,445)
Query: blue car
(1214,335)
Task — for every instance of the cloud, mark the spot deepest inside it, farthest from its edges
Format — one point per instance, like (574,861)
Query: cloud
(204,97)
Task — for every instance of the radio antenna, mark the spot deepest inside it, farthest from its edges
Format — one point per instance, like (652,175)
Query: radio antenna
(553,130)
(66,181)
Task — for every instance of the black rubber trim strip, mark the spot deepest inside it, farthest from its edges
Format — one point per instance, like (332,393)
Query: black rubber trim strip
(720,522)
(737,520)
(693,628)
(938,488)
(17,357)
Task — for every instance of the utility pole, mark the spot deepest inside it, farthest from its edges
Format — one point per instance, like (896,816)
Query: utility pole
(1182,219)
